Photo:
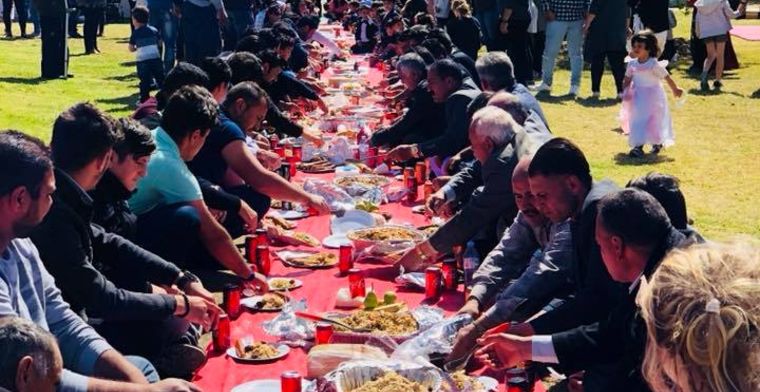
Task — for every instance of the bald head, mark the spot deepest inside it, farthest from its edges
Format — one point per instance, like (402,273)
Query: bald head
(521,170)
(511,104)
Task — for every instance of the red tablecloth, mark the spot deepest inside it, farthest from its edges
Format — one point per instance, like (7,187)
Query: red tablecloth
(221,373)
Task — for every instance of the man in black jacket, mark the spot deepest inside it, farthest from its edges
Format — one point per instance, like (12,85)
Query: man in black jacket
(145,320)
(423,120)
(55,55)
(634,235)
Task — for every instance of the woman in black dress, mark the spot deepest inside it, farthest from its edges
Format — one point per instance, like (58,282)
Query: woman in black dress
(464,30)
(606,30)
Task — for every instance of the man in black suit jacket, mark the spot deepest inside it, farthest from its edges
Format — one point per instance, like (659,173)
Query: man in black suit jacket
(634,234)
(55,56)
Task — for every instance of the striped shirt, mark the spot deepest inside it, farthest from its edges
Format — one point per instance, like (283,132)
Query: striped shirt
(566,10)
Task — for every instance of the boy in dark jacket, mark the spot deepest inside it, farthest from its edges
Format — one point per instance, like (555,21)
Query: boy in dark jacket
(366,32)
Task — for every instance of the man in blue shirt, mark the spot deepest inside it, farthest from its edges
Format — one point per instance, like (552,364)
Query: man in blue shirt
(27,290)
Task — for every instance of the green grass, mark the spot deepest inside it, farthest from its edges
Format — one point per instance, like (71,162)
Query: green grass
(715,156)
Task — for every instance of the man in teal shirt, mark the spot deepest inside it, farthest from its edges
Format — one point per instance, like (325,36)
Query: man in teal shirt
(172,215)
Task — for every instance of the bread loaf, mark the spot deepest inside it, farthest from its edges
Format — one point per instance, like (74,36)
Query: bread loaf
(325,358)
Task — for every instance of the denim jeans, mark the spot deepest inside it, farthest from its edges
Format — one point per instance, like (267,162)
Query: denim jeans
(148,71)
(556,31)
(169,230)
(489,25)
(202,35)
(167,24)
(145,367)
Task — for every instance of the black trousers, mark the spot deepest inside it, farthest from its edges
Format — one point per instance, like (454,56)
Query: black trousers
(516,42)
(93,18)
(54,53)
(537,42)
(617,65)
(21,12)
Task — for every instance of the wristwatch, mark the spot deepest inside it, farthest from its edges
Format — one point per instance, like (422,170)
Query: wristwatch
(416,151)
(186,278)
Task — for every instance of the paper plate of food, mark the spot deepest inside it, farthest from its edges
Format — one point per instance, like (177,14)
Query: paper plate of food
(382,376)
(316,166)
(284,284)
(269,302)
(306,259)
(463,382)
(248,350)
(291,237)
(365,180)
(383,235)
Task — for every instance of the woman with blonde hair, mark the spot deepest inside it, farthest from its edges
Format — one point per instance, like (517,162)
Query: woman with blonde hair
(464,30)
(702,312)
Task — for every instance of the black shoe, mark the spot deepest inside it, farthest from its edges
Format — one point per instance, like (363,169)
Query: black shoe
(8,34)
(180,361)
(717,84)
(656,149)
(636,152)
(75,35)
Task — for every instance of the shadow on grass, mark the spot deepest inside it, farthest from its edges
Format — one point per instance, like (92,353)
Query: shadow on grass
(713,92)
(123,78)
(128,64)
(617,130)
(624,159)
(548,98)
(755,95)
(127,103)
(592,102)
(27,81)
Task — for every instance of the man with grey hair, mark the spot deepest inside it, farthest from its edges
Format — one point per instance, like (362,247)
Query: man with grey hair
(30,360)
(484,188)
(496,74)
(422,121)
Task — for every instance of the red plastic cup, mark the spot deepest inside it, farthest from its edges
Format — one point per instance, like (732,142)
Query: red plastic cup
(297,152)
(450,274)
(356,283)
(292,160)
(279,150)
(251,242)
(433,283)
(263,262)
(290,381)
(221,336)
(346,260)
(231,300)
(323,334)
(262,238)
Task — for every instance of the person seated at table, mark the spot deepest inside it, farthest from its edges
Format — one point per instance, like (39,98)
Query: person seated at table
(246,67)
(169,196)
(128,165)
(219,77)
(27,290)
(285,86)
(445,82)
(336,9)
(456,54)
(529,267)
(103,275)
(496,73)
(226,160)
(31,360)
(388,46)
(492,135)
(700,312)
(634,235)
(423,120)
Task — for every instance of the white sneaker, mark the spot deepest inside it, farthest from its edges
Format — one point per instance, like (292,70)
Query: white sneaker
(574,90)
(543,87)
(596,95)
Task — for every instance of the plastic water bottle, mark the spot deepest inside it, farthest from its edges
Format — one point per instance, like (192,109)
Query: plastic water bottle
(470,264)
(362,141)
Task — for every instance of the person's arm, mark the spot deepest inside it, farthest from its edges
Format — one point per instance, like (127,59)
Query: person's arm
(218,242)
(408,123)
(297,88)
(112,248)
(463,184)
(454,137)
(280,122)
(505,262)
(217,198)
(328,43)
(65,257)
(245,165)
(483,208)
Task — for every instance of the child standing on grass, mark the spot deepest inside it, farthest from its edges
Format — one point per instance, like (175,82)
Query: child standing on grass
(713,22)
(645,116)
(145,41)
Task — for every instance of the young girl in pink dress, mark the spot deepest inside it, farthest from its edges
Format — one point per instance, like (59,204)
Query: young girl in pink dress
(645,116)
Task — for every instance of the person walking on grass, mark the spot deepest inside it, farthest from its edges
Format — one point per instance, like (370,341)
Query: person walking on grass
(645,116)
(145,41)
(713,24)
(564,18)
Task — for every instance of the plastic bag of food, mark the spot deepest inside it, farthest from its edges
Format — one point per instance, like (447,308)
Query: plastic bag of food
(291,330)
(335,196)
(387,252)
(396,193)
(374,195)
(339,150)
(414,280)
(437,338)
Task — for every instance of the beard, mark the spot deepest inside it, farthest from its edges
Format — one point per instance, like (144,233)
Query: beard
(22,229)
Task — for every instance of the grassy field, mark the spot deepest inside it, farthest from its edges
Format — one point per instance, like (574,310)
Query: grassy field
(715,156)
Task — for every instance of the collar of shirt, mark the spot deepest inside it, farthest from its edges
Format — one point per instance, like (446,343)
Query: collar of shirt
(165,143)
(635,283)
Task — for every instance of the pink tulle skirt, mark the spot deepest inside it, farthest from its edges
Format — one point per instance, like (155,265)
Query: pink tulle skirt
(645,116)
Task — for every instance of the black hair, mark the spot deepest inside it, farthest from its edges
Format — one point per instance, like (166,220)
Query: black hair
(271,57)
(80,134)
(393,20)
(436,48)
(424,19)
(635,216)
(649,40)
(24,161)
(423,52)
(560,156)
(443,37)
(141,14)
(285,41)
(249,92)
(267,39)
(282,27)
(190,109)
(136,141)
(311,22)
(251,43)
(665,188)
(218,72)
(447,68)
(245,67)
(183,74)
